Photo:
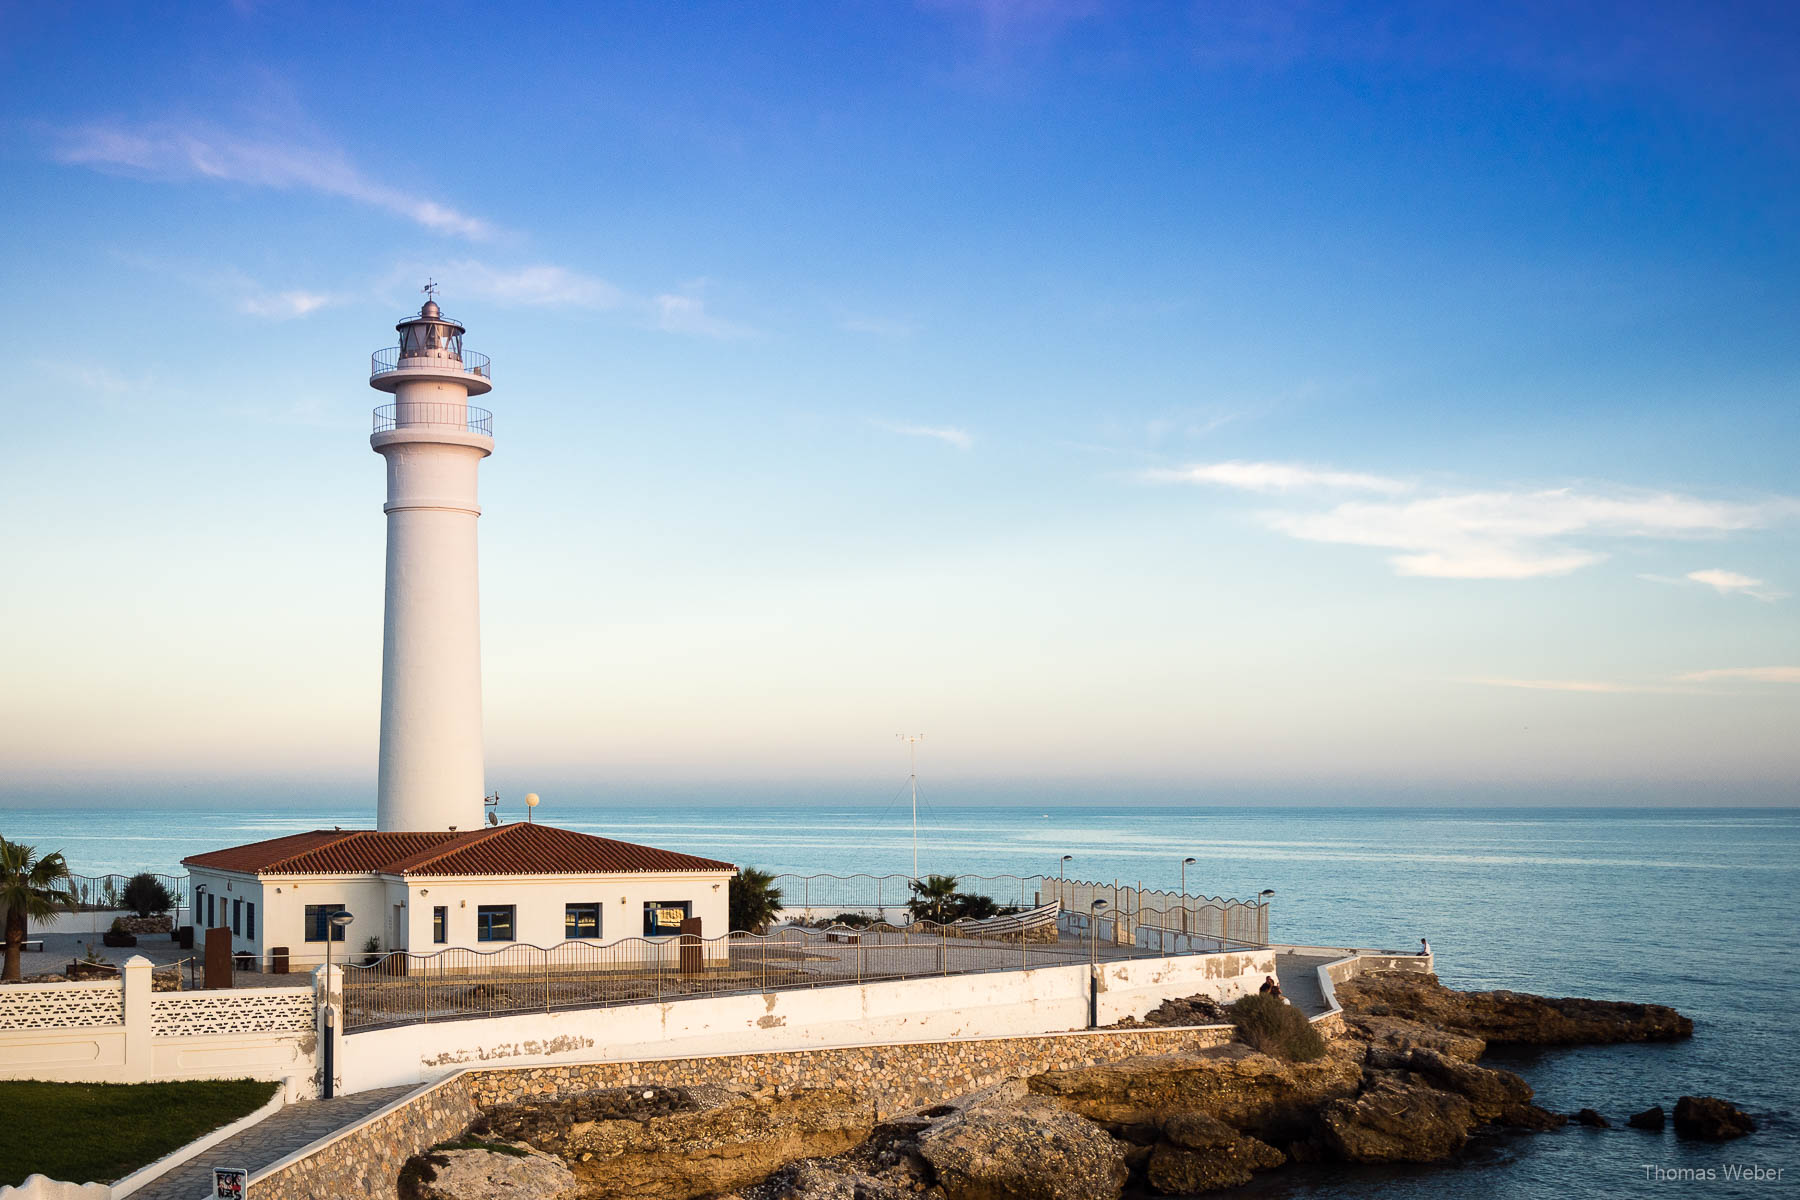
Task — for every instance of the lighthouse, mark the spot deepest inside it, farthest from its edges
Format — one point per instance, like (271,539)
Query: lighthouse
(431,775)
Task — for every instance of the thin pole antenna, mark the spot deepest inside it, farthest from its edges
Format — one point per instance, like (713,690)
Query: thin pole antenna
(912,741)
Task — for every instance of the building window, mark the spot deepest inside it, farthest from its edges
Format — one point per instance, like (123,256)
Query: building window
(440,924)
(237,916)
(581,921)
(494,923)
(318,922)
(211,922)
(664,917)
(250,919)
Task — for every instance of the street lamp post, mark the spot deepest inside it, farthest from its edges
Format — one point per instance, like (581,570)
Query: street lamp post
(338,922)
(1094,930)
(1185,864)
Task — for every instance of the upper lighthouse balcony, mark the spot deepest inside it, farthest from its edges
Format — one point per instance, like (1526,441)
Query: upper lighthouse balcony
(430,348)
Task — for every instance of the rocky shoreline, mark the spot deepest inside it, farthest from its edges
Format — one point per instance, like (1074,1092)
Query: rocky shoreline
(1402,1083)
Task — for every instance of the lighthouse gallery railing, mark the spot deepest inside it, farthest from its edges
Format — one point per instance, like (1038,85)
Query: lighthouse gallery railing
(465,417)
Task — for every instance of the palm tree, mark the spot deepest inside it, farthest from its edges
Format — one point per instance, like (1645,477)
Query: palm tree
(30,888)
(754,899)
(934,899)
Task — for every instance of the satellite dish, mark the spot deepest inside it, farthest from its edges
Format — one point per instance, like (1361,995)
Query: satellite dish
(493,818)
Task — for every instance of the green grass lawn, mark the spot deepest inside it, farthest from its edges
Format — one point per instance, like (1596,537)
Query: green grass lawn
(98,1132)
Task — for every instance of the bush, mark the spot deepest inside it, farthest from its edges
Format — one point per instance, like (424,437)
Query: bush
(146,896)
(853,920)
(974,907)
(1276,1028)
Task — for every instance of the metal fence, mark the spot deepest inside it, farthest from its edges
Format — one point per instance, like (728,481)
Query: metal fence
(108,891)
(1231,921)
(388,360)
(876,894)
(466,417)
(401,988)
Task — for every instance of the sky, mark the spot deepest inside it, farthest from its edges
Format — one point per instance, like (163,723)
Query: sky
(1289,401)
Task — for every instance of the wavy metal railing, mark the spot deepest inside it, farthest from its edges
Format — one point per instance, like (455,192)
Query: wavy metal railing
(401,988)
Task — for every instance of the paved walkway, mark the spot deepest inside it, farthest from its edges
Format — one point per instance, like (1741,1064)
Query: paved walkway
(1298,975)
(276,1137)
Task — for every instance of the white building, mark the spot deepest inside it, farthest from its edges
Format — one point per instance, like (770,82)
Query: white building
(482,890)
(431,876)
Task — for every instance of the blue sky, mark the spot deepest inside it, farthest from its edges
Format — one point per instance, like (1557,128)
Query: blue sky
(1210,401)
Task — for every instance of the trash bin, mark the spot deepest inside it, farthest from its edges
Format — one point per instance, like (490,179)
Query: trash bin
(185,935)
(278,960)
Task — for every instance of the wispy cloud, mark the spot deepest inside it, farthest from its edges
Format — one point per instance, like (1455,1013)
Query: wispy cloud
(686,312)
(282,306)
(950,435)
(1744,674)
(541,285)
(1575,685)
(1275,477)
(173,151)
(1727,582)
(1449,534)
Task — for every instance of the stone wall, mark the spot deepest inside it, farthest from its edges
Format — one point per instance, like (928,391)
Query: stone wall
(366,1160)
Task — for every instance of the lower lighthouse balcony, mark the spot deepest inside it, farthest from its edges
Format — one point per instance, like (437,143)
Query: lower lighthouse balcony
(465,418)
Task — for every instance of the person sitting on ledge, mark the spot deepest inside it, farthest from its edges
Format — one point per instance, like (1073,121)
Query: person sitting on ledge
(1424,948)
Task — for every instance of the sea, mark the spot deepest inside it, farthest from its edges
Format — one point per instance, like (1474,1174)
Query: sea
(1691,907)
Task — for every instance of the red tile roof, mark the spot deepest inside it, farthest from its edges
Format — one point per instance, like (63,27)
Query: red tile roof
(516,849)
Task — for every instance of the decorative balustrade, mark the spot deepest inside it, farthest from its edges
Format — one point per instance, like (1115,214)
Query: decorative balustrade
(62,1006)
(248,1010)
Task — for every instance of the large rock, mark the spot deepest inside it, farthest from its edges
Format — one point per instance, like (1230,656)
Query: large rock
(1711,1119)
(1398,1033)
(725,1139)
(1252,1092)
(1652,1118)
(500,1173)
(1398,1119)
(1512,1017)
(1498,1097)
(1201,1154)
(1035,1151)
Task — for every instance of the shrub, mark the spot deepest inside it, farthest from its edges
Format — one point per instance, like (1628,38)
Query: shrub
(853,920)
(1276,1028)
(146,896)
(975,907)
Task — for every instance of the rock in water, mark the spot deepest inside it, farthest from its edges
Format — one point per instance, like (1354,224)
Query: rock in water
(1514,1017)
(1398,1119)
(1592,1119)
(1711,1119)
(1202,1154)
(1651,1118)
(1034,1152)
(486,1175)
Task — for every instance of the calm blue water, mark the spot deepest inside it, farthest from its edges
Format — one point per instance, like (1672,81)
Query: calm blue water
(1695,908)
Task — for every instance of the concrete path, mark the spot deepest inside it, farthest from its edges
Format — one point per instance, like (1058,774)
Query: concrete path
(1298,975)
(295,1126)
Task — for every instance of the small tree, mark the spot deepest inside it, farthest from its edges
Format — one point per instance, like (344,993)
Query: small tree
(754,899)
(934,899)
(1276,1028)
(145,895)
(31,888)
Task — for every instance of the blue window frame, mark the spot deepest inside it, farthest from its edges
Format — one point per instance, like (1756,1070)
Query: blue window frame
(581,921)
(494,923)
(211,916)
(440,924)
(250,919)
(318,922)
(237,916)
(663,918)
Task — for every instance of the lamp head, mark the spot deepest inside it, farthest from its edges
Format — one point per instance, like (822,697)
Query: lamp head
(1098,905)
(531,799)
(342,918)
(1188,862)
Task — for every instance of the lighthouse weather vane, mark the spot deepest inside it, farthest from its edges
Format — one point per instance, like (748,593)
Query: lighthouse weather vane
(430,289)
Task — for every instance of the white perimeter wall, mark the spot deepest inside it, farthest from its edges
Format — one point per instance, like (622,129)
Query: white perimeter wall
(932,1008)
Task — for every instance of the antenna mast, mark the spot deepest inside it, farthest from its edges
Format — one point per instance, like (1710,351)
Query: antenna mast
(912,754)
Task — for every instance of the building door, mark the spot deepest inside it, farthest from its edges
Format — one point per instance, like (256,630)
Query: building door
(396,930)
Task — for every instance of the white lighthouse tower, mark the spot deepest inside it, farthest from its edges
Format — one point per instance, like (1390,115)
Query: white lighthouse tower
(431,774)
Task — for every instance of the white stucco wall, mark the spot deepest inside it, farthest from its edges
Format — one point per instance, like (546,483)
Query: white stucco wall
(931,1008)
(538,901)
